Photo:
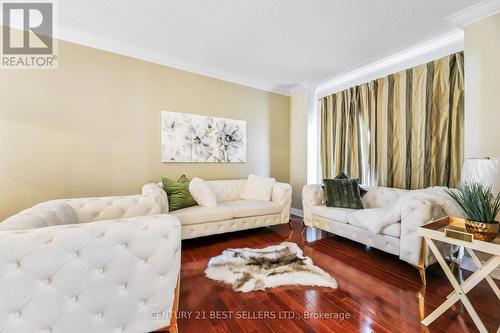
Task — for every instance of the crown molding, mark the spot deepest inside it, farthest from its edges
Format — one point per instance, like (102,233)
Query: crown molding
(296,88)
(419,54)
(475,13)
(424,52)
(309,86)
(101,43)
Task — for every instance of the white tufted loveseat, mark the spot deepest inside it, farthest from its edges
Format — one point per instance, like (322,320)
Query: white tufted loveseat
(85,265)
(231,213)
(400,239)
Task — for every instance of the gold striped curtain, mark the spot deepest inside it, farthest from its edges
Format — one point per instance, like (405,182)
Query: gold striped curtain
(404,130)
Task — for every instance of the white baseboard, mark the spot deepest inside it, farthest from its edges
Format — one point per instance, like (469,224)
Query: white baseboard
(297,212)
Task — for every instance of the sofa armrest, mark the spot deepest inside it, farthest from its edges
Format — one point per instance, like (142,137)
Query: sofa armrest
(282,195)
(155,189)
(125,267)
(312,195)
(414,214)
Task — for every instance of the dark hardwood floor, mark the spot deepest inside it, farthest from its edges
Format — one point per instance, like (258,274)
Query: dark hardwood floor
(377,292)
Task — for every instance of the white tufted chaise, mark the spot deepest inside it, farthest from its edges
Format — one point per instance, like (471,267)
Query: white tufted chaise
(231,213)
(400,239)
(97,265)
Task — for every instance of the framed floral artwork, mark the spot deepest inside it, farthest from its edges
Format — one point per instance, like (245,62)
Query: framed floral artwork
(187,137)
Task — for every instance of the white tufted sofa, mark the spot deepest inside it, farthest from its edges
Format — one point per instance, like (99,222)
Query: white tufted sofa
(400,239)
(231,213)
(89,265)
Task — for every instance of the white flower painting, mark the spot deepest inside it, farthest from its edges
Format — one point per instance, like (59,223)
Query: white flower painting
(191,138)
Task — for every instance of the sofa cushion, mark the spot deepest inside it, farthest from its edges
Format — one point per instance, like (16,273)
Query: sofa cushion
(342,193)
(332,213)
(393,230)
(202,193)
(363,221)
(258,188)
(198,214)
(343,175)
(178,193)
(246,208)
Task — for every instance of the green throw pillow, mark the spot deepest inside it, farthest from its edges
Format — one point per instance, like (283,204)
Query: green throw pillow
(183,179)
(343,175)
(178,193)
(343,193)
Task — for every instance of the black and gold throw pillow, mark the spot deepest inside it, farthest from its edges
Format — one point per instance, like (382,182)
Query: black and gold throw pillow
(343,193)
(343,175)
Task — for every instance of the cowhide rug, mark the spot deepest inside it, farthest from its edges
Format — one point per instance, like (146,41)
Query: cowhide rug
(256,269)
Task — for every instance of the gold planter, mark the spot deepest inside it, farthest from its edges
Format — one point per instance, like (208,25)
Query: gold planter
(482,231)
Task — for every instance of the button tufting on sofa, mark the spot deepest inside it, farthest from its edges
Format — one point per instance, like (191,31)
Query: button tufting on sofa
(231,214)
(398,238)
(87,268)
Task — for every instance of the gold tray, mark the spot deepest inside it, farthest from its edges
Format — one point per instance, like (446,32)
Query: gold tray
(452,227)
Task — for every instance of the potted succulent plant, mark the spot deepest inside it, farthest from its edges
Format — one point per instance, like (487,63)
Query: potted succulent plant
(481,208)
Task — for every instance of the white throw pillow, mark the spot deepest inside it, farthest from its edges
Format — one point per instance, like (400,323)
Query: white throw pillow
(202,193)
(258,188)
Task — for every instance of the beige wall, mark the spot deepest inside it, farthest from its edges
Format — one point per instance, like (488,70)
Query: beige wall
(482,87)
(92,127)
(299,104)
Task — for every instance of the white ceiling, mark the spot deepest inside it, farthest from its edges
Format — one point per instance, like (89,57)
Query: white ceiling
(270,44)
